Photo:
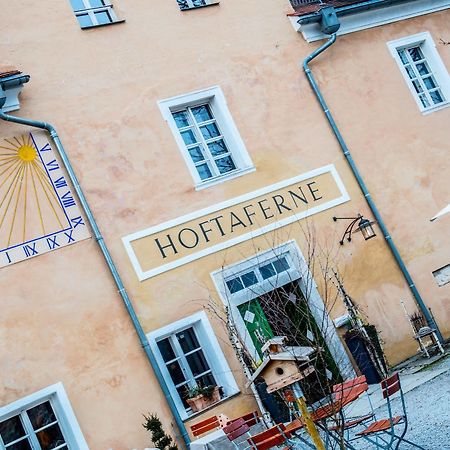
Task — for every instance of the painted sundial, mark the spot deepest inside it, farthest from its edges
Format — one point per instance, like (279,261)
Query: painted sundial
(38,210)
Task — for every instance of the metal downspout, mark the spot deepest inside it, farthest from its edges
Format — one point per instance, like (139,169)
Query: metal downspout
(363,187)
(112,267)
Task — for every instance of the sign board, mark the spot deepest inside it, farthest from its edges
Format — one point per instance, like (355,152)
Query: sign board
(185,239)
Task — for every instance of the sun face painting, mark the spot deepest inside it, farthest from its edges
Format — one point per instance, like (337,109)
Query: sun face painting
(38,211)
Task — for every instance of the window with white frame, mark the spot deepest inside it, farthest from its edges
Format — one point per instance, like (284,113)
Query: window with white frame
(186,362)
(423,70)
(189,355)
(207,136)
(91,13)
(191,4)
(265,271)
(41,421)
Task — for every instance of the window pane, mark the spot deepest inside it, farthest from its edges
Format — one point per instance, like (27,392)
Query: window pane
(182,392)
(97,3)
(11,429)
(175,372)
(429,83)
(218,147)
(424,101)
(51,437)
(235,285)
(22,445)
(188,137)
(417,86)
(415,53)
(225,164)
(249,279)
(403,57)
(41,415)
(183,4)
(410,72)
(267,271)
(436,97)
(84,20)
(196,154)
(103,17)
(188,340)
(206,380)
(210,131)
(204,172)
(166,350)
(181,119)
(77,5)
(280,265)
(202,113)
(198,2)
(197,363)
(422,68)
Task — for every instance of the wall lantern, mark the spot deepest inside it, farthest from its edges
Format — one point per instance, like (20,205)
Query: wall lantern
(362,224)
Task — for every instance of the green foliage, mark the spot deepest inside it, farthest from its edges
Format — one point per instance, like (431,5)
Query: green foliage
(158,435)
(206,391)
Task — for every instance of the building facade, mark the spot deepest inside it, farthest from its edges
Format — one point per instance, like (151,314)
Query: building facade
(214,178)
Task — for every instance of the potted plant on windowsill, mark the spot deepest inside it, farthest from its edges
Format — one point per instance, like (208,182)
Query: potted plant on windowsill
(200,397)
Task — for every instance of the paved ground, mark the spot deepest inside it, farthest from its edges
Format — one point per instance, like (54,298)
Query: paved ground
(427,403)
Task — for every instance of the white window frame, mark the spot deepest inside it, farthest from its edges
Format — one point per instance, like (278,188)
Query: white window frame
(192,6)
(90,11)
(218,105)
(426,43)
(212,351)
(298,271)
(61,407)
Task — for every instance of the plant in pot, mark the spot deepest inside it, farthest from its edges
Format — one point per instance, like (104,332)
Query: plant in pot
(200,397)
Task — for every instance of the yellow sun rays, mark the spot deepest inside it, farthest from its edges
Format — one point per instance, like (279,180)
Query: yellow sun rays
(29,206)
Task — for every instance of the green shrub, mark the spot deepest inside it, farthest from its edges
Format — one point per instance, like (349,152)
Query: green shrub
(159,437)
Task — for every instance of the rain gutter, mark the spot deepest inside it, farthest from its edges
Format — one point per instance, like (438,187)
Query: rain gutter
(107,256)
(348,9)
(421,304)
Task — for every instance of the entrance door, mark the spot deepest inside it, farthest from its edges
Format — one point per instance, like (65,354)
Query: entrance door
(256,323)
(284,311)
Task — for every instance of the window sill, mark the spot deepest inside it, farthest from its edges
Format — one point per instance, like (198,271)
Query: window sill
(230,176)
(103,24)
(435,108)
(223,400)
(200,7)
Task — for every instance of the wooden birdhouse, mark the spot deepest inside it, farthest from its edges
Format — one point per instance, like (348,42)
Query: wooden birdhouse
(283,365)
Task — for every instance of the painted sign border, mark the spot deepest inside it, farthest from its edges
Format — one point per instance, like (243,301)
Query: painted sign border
(143,275)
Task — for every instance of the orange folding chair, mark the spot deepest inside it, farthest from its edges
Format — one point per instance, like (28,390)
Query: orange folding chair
(381,433)
(345,393)
(272,437)
(200,428)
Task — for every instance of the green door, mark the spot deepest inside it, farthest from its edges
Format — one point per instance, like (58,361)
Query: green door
(257,324)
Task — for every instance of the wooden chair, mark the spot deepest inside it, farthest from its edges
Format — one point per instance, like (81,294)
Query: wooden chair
(200,428)
(236,429)
(347,392)
(250,418)
(381,433)
(272,437)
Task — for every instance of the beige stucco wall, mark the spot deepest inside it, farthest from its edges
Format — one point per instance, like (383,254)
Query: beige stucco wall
(100,89)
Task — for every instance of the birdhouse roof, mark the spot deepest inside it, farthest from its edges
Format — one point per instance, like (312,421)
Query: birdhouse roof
(290,354)
(276,340)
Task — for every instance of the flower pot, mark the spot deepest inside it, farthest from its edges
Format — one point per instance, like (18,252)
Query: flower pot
(201,402)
